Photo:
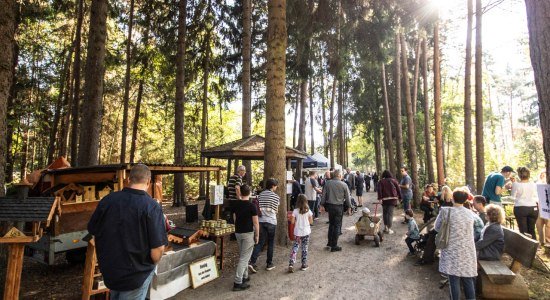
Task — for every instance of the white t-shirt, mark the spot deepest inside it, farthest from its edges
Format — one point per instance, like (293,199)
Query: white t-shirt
(525,193)
(311,193)
(301,223)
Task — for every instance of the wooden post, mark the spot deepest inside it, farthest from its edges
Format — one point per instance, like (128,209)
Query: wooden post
(206,191)
(89,269)
(228,170)
(13,273)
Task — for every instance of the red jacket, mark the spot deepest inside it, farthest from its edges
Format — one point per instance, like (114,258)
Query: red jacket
(388,191)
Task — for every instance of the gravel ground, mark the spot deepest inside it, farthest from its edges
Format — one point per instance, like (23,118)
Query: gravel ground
(357,272)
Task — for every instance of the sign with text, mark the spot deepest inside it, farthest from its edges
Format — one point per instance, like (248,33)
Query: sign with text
(203,271)
(216,194)
(289,175)
(544,200)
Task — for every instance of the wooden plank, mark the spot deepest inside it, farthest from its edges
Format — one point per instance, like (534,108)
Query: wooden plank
(17,240)
(85,177)
(52,211)
(89,270)
(517,289)
(71,208)
(520,247)
(497,271)
(13,271)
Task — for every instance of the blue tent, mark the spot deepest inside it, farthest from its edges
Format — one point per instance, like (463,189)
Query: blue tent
(310,163)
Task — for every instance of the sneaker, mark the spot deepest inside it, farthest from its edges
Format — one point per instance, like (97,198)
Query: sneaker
(386,230)
(253,268)
(246,279)
(270,267)
(240,287)
(290,269)
(316,218)
(411,254)
(335,249)
(390,231)
(304,267)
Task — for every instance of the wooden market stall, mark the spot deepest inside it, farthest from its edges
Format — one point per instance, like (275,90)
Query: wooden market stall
(23,221)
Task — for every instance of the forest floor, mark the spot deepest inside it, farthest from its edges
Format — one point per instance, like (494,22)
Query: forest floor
(357,272)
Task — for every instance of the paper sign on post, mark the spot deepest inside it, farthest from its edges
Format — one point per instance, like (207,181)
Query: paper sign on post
(216,194)
(289,175)
(289,188)
(544,200)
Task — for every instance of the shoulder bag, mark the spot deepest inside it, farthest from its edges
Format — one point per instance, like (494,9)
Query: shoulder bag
(442,237)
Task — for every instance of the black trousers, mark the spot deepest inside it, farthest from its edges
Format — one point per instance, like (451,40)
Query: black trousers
(526,216)
(313,207)
(335,215)
(387,214)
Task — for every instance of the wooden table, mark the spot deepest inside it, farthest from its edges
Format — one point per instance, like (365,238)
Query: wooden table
(220,241)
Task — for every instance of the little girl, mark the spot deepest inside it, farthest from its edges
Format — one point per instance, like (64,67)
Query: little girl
(413,234)
(302,218)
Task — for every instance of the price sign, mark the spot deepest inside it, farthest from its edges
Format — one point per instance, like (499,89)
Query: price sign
(203,271)
(544,200)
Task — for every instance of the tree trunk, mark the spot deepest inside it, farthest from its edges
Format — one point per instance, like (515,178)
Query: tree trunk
(246,82)
(411,128)
(144,66)
(7,42)
(302,120)
(311,117)
(66,112)
(468,155)
(378,150)
(387,125)
(10,112)
(324,115)
(416,75)
(93,85)
(398,125)
(127,85)
(204,119)
(275,108)
(538,23)
(179,122)
(427,131)
(340,126)
(480,147)
(331,125)
(437,109)
(296,107)
(75,109)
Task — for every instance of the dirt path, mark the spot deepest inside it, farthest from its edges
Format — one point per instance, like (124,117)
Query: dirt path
(357,272)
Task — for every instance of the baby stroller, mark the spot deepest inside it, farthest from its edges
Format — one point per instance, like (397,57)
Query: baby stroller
(368,227)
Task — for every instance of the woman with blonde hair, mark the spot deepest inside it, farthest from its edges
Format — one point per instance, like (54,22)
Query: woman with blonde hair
(526,202)
(446,197)
(491,243)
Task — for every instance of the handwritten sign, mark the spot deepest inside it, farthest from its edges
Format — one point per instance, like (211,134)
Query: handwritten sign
(203,271)
(216,194)
(544,200)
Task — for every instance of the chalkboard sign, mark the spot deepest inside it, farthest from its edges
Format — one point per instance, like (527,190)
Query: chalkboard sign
(203,271)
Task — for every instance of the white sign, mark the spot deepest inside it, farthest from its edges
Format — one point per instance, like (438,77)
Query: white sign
(203,271)
(544,200)
(289,175)
(216,194)
(289,188)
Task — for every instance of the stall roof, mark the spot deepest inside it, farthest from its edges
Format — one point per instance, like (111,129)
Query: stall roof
(36,209)
(156,169)
(251,148)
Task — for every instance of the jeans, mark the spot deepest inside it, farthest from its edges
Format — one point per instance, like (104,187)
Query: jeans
(246,245)
(317,207)
(299,240)
(468,283)
(409,242)
(335,215)
(314,207)
(138,294)
(526,216)
(387,214)
(406,201)
(267,232)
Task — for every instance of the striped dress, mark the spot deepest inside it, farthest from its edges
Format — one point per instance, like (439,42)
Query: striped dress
(459,258)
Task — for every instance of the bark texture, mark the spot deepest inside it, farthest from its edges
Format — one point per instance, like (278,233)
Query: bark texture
(75,105)
(538,22)
(93,85)
(437,109)
(398,122)
(468,155)
(387,126)
(480,145)
(127,85)
(275,156)
(427,131)
(7,41)
(246,82)
(179,122)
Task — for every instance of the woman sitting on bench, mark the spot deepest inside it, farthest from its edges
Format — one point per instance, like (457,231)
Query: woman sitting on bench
(491,243)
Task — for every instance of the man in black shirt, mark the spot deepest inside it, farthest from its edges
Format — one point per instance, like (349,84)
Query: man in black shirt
(130,235)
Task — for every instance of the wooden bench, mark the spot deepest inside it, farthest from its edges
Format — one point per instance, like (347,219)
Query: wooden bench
(498,281)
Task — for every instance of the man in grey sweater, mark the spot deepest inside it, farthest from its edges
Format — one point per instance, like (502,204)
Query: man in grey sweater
(335,192)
